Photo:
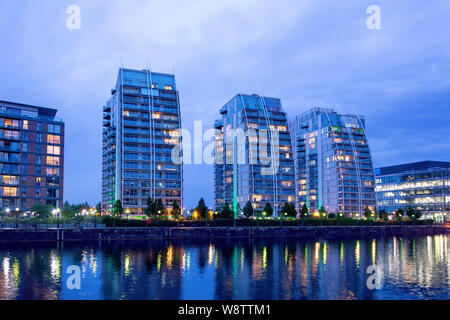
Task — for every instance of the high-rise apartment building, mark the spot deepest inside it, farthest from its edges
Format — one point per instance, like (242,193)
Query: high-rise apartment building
(254,160)
(31,157)
(424,186)
(141,128)
(333,163)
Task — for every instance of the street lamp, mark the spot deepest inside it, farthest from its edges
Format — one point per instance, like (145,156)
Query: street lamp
(17,218)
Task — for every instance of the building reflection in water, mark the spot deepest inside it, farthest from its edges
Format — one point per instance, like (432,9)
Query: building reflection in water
(412,268)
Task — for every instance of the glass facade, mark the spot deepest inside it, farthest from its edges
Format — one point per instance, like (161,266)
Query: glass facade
(254,160)
(31,156)
(333,162)
(424,186)
(141,127)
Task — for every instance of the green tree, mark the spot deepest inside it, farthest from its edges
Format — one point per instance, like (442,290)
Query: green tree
(289,210)
(226,212)
(410,212)
(202,209)
(383,214)
(368,213)
(150,209)
(117,210)
(41,210)
(399,213)
(248,209)
(176,210)
(304,211)
(322,212)
(160,208)
(68,210)
(267,211)
(98,207)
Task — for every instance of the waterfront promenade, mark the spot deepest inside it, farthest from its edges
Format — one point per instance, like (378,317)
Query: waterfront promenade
(128,234)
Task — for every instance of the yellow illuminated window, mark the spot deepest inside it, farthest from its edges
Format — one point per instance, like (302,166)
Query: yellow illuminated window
(51,138)
(156,116)
(168,88)
(25,124)
(9,192)
(52,161)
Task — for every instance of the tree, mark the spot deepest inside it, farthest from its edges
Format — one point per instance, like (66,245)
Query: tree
(399,213)
(150,210)
(304,211)
(41,210)
(413,213)
(267,211)
(202,209)
(368,213)
(383,214)
(322,212)
(248,209)
(98,207)
(160,209)
(226,212)
(289,210)
(176,210)
(68,210)
(117,210)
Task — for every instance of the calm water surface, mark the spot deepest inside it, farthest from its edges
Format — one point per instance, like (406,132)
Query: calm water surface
(411,268)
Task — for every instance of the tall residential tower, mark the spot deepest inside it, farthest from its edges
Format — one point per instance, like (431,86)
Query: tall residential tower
(254,160)
(333,162)
(141,127)
(31,157)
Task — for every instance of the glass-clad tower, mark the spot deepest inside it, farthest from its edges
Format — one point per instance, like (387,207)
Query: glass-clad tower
(333,162)
(141,128)
(254,160)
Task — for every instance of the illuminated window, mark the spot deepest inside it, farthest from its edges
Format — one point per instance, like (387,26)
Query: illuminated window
(52,161)
(156,116)
(126,113)
(54,150)
(52,171)
(25,124)
(168,88)
(51,138)
(9,192)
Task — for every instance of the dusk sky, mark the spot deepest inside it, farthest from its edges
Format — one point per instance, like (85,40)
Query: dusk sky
(307,53)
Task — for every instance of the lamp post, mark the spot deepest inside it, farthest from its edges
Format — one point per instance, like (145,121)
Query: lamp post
(17,218)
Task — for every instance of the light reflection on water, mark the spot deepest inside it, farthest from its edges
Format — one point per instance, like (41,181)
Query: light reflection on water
(412,268)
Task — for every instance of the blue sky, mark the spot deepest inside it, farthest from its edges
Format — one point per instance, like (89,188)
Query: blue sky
(308,53)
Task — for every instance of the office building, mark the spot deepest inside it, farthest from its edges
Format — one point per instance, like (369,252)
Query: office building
(424,186)
(31,157)
(254,160)
(140,130)
(333,163)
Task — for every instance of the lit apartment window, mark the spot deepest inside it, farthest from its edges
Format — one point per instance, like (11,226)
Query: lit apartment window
(52,161)
(156,116)
(9,192)
(25,124)
(52,171)
(168,88)
(54,150)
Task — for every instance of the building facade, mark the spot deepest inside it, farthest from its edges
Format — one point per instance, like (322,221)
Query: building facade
(333,163)
(31,157)
(141,127)
(424,186)
(253,155)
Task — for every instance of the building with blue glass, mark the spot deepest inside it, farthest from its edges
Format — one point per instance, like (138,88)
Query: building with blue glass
(141,128)
(333,164)
(253,155)
(424,186)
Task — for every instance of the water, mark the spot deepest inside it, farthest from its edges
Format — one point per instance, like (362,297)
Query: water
(411,268)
